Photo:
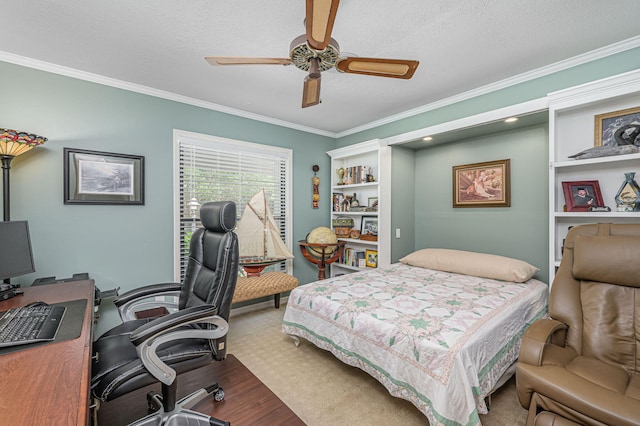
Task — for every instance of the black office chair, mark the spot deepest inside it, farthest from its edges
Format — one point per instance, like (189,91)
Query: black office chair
(140,352)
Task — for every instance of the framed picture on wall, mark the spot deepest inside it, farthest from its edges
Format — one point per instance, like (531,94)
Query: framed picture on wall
(580,195)
(485,184)
(95,177)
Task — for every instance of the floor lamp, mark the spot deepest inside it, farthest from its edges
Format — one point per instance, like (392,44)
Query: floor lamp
(12,144)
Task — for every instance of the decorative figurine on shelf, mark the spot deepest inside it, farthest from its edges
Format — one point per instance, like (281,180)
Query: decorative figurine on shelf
(340,173)
(316,187)
(625,141)
(354,201)
(370,177)
(628,196)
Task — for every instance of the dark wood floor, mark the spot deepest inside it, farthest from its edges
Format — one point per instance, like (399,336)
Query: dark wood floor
(247,400)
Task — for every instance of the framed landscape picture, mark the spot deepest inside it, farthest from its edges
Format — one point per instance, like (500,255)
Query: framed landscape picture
(94,177)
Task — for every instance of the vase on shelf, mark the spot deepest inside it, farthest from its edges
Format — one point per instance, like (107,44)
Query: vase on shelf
(628,196)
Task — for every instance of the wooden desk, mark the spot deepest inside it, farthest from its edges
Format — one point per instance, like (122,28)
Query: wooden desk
(49,384)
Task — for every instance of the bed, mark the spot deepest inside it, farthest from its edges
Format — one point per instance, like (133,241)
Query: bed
(441,328)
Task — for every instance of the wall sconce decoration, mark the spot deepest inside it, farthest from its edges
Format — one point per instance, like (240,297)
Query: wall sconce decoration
(12,144)
(316,187)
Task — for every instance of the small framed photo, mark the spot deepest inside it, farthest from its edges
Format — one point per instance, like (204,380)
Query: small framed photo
(369,226)
(371,257)
(580,195)
(482,184)
(95,177)
(372,203)
(617,127)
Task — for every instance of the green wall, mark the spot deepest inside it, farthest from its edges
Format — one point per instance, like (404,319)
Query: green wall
(403,203)
(126,246)
(519,231)
(533,89)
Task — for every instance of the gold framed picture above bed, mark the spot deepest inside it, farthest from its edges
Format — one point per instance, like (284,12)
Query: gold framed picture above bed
(485,184)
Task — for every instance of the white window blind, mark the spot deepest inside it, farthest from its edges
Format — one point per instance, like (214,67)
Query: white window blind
(216,169)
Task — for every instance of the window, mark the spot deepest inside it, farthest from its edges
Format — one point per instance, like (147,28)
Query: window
(209,168)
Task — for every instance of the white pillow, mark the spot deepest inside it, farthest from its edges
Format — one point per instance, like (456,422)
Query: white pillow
(472,263)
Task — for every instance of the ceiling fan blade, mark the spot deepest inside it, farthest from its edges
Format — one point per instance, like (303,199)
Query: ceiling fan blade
(239,60)
(321,15)
(396,68)
(311,91)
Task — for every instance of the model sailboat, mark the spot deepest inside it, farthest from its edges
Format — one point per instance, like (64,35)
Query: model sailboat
(259,240)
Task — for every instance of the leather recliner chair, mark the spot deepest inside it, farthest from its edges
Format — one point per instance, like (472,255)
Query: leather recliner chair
(140,352)
(580,366)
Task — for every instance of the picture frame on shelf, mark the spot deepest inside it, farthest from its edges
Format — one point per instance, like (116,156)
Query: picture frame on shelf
(485,184)
(617,124)
(96,177)
(371,257)
(580,195)
(372,203)
(369,227)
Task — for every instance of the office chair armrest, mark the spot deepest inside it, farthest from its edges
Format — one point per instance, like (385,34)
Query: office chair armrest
(145,291)
(540,334)
(164,295)
(167,322)
(149,337)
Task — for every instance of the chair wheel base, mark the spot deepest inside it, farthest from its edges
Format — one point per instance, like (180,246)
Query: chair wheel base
(218,395)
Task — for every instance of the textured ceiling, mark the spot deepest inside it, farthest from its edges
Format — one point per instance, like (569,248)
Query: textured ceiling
(461,45)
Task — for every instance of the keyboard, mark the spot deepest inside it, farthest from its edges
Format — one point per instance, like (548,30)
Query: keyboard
(29,324)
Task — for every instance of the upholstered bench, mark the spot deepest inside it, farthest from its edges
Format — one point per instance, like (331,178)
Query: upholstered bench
(267,284)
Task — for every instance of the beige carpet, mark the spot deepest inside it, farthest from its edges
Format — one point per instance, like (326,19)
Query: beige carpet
(321,390)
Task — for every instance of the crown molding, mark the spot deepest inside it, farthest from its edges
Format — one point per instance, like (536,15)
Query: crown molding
(511,81)
(520,78)
(137,88)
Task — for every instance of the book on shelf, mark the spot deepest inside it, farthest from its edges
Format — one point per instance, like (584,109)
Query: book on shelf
(355,175)
(353,257)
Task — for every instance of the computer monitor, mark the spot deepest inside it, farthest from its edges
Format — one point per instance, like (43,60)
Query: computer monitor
(16,257)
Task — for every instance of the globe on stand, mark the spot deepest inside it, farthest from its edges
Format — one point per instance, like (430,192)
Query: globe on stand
(322,248)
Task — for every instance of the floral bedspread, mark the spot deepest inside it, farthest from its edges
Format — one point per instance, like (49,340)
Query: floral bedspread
(440,340)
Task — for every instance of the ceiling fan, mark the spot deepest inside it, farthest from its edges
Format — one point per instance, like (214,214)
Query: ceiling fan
(316,52)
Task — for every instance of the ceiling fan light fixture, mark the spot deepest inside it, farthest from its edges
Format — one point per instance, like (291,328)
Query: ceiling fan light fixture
(315,52)
(314,68)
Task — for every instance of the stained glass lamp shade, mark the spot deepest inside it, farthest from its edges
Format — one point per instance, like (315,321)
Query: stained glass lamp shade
(12,144)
